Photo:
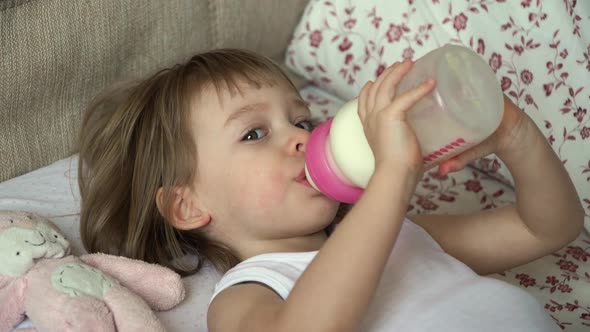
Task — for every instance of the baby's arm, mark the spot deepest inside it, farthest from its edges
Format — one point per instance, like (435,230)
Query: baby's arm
(335,290)
(547,214)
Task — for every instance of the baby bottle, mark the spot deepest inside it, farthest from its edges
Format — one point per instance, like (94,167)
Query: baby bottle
(465,107)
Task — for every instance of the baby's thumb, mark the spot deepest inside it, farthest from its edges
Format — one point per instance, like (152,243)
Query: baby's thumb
(461,160)
(450,165)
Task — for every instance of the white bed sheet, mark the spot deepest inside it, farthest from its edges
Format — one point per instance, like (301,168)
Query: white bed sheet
(53,192)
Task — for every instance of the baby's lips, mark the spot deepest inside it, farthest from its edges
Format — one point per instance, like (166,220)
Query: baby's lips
(301,177)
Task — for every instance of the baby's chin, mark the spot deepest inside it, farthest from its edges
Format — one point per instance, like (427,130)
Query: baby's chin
(325,215)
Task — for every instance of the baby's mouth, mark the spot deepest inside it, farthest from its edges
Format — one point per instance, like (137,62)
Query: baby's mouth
(301,178)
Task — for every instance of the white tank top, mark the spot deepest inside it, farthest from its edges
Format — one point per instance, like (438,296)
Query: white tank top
(422,289)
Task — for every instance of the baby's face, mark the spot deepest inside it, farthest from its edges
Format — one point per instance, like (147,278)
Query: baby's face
(250,150)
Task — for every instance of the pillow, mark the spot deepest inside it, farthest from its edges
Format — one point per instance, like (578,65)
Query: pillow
(540,52)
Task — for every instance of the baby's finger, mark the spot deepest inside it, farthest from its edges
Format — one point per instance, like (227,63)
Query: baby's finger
(386,90)
(378,81)
(461,160)
(404,102)
(362,101)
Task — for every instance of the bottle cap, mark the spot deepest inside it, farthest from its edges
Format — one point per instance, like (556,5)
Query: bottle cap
(320,171)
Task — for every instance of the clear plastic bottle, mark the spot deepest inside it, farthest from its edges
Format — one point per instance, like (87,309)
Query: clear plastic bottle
(465,108)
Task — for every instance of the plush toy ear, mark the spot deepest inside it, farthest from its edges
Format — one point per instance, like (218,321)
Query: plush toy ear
(184,210)
(20,218)
(12,302)
(25,238)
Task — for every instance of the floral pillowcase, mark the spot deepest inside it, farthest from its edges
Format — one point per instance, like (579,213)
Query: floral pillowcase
(540,52)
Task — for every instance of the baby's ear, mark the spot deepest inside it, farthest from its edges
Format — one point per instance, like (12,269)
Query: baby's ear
(182,209)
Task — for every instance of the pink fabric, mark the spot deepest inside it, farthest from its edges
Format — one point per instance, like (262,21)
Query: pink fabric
(12,301)
(125,304)
(158,286)
(539,50)
(63,292)
(55,311)
(561,282)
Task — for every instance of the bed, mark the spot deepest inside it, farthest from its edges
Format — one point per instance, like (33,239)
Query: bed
(560,281)
(540,52)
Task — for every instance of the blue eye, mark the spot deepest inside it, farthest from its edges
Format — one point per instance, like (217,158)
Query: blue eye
(254,134)
(305,125)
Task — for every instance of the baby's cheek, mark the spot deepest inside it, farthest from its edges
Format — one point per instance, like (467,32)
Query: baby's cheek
(264,191)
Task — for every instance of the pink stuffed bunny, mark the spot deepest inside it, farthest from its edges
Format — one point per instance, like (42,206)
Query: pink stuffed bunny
(62,292)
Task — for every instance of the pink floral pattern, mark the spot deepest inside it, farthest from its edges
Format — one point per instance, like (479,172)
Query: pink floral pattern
(539,50)
(561,282)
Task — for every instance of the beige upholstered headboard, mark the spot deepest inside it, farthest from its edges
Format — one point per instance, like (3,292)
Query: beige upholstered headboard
(55,55)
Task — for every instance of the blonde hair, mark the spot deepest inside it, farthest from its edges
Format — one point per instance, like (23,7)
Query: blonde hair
(135,138)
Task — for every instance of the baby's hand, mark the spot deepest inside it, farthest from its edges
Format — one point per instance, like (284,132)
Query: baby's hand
(514,135)
(383,115)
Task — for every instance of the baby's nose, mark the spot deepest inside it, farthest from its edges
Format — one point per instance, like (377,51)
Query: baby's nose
(299,140)
(300,147)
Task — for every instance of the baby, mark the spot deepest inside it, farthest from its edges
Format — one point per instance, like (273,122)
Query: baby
(205,159)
